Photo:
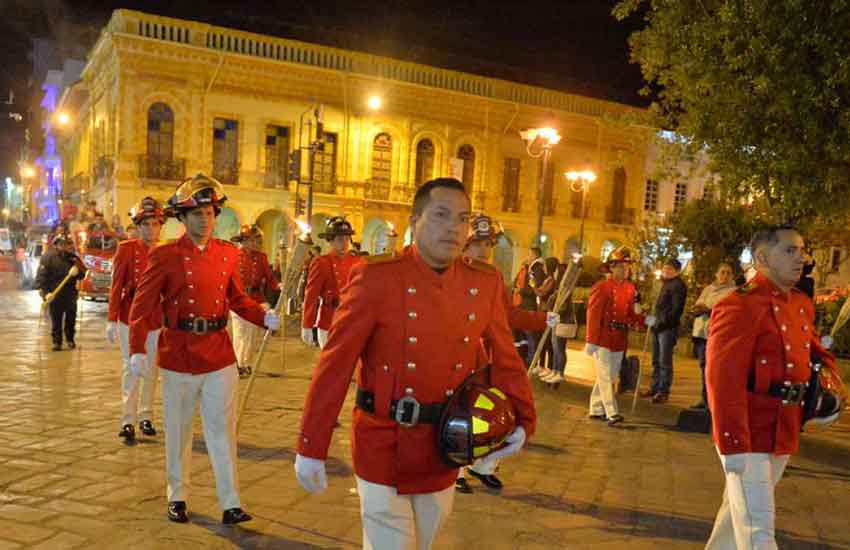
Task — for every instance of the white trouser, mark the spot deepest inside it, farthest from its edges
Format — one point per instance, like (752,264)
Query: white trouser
(322,336)
(246,340)
(401,522)
(602,398)
(746,517)
(485,467)
(217,390)
(131,382)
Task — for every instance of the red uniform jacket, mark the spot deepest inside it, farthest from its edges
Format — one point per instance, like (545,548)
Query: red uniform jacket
(762,334)
(416,332)
(128,264)
(326,279)
(256,275)
(611,302)
(184,282)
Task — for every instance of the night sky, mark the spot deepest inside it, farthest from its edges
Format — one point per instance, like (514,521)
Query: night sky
(572,45)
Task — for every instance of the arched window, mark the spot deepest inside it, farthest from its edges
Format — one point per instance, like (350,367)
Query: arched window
(160,132)
(424,161)
(467,154)
(382,164)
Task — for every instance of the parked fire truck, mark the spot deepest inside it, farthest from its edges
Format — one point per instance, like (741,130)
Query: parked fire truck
(96,245)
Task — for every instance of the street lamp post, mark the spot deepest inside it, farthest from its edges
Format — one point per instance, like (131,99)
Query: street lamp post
(545,138)
(583,179)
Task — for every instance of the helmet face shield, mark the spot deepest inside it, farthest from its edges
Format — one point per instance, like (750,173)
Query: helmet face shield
(476,422)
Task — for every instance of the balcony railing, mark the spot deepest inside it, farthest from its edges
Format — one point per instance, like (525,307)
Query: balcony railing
(275,180)
(157,168)
(104,167)
(378,190)
(226,174)
(620,216)
(326,186)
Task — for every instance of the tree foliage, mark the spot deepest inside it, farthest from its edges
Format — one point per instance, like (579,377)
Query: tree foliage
(761,86)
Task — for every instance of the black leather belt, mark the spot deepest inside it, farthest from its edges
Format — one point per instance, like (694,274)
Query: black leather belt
(252,289)
(407,411)
(199,325)
(790,394)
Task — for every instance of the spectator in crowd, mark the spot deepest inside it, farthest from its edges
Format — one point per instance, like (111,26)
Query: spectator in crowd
(665,330)
(708,298)
(546,294)
(807,282)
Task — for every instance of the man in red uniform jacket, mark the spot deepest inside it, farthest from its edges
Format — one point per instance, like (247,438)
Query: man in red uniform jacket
(257,278)
(611,308)
(415,323)
(326,279)
(128,264)
(761,341)
(193,283)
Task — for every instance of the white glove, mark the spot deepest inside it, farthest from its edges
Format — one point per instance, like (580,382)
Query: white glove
(552,319)
(591,349)
(307,336)
(650,320)
(311,474)
(734,464)
(111,331)
(266,306)
(272,320)
(826,341)
(73,272)
(514,441)
(322,337)
(138,364)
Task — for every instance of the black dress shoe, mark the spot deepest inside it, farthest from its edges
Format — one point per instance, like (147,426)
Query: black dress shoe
(616,419)
(147,427)
(489,480)
(71,344)
(177,511)
(128,432)
(57,346)
(462,486)
(234,515)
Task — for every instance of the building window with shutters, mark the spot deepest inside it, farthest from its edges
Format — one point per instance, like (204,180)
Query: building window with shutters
(226,150)
(424,161)
(324,164)
(382,165)
(277,156)
(510,186)
(680,197)
(159,161)
(466,153)
(650,197)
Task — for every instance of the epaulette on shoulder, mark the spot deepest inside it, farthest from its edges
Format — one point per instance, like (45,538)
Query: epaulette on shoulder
(478,265)
(745,289)
(381,258)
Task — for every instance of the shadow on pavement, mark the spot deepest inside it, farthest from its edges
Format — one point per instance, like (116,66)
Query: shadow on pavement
(641,523)
(246,538)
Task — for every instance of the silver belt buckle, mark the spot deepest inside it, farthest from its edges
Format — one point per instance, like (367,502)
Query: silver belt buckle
(794,394)
(199,326)
(400,408)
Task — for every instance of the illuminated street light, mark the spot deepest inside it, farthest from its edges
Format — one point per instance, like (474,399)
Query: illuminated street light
(63,118)
(28,171)
(544,138)
(580,181)
(6,212)
(375,102)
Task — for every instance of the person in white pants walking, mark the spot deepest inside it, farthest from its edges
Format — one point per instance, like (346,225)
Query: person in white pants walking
(128,264)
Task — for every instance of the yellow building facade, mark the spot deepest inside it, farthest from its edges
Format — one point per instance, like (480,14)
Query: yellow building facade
(161,99)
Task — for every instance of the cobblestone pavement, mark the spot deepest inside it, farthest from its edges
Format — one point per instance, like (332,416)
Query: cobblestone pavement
(67,481)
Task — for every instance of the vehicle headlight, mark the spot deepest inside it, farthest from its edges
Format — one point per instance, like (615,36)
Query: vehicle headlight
(89,261)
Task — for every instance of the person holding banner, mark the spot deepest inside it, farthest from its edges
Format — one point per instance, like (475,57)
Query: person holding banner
(193,283)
